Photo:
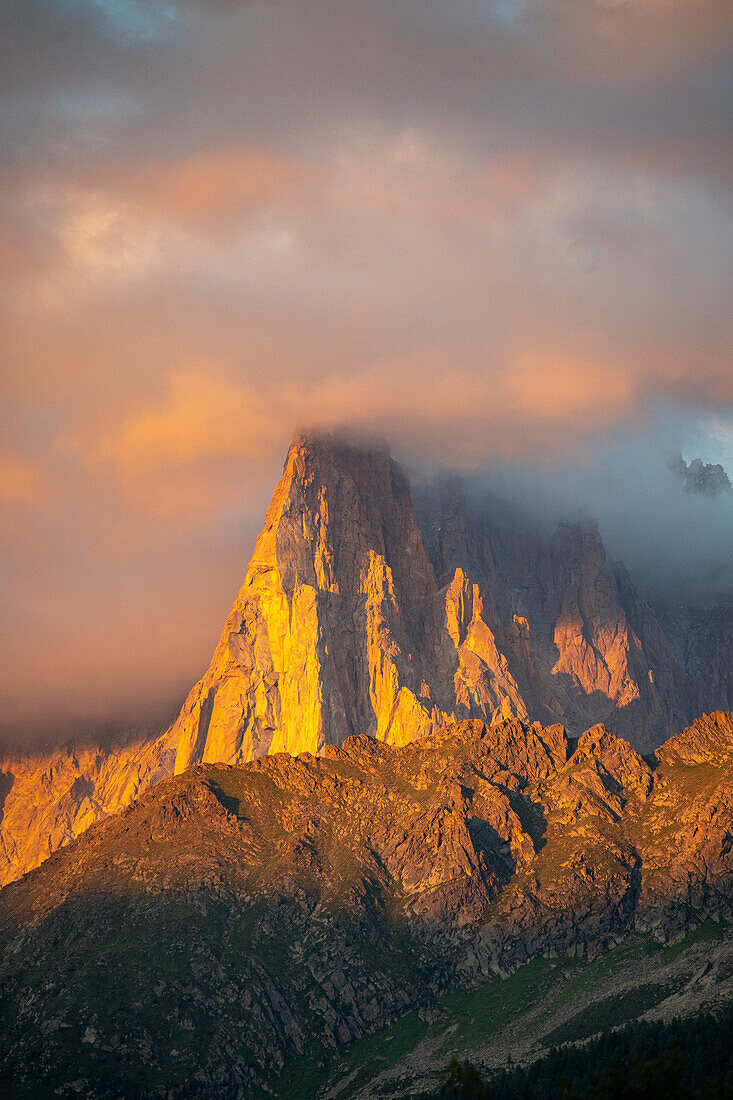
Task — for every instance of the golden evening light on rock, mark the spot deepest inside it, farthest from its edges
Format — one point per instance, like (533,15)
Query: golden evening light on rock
(366,721)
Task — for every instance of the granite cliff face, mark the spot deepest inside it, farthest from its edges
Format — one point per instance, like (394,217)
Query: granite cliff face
(340,627)
(51,796)
(358,616)
(234,918)
(702,638)
(324,638)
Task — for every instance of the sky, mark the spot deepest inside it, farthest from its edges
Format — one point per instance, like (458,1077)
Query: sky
(497,232)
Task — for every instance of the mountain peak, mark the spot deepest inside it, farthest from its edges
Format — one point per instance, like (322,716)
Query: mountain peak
(316,645)
(339,442)
(341,629)
(355,618)
(328,455)
(251,914)
(699,477)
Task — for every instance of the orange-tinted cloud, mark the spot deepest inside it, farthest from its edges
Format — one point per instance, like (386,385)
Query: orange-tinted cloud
(174,453)
(491,232)
(20,483)
(213,185)
(548,387)
(202,417)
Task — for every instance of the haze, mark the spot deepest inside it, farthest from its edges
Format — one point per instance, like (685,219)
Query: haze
(498,233)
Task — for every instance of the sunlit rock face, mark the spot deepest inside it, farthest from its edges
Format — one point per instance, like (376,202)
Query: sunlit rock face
(340,627)
(353,619)
(49,797)
(291,905)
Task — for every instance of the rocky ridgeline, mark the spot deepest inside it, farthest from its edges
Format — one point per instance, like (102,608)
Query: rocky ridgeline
(49,797)
(698,476)
(236,917)
(358,616)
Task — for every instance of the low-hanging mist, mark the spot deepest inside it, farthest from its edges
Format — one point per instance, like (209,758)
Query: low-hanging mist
(677,543)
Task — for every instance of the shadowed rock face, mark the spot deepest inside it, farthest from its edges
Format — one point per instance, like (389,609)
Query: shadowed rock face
(702,638)
(578,636)
(699,477)
(355,619)
(291,905)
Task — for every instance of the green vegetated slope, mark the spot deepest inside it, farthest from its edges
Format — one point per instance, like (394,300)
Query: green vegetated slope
(175,1002)
(518,1020)
(687,1058)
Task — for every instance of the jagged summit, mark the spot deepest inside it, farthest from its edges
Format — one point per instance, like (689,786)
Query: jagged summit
(315,647)
(590,647)
(235,918)
(340,627)
(697,476)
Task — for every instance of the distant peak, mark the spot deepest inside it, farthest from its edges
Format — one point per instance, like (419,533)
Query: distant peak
(698,477)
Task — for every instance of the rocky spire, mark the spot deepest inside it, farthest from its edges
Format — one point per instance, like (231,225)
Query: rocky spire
(698,476)
(316,646)
(340,627)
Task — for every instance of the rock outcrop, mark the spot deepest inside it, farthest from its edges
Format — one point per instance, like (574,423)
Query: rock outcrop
(345,625)
(340,628)
(51,796)
(579,637)
(321,642)
(701,636)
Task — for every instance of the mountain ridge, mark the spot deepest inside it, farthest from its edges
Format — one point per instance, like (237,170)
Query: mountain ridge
(298,904)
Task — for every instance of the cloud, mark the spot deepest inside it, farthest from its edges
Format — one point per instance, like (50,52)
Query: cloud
(184,456)
(497,233)
(19,482)
(544,387)
(212,186)
(202,417)
(207,419)
(678,545)
(97,237)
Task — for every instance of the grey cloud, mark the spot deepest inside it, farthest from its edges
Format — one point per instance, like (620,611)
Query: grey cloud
(678,545)
(561,81)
